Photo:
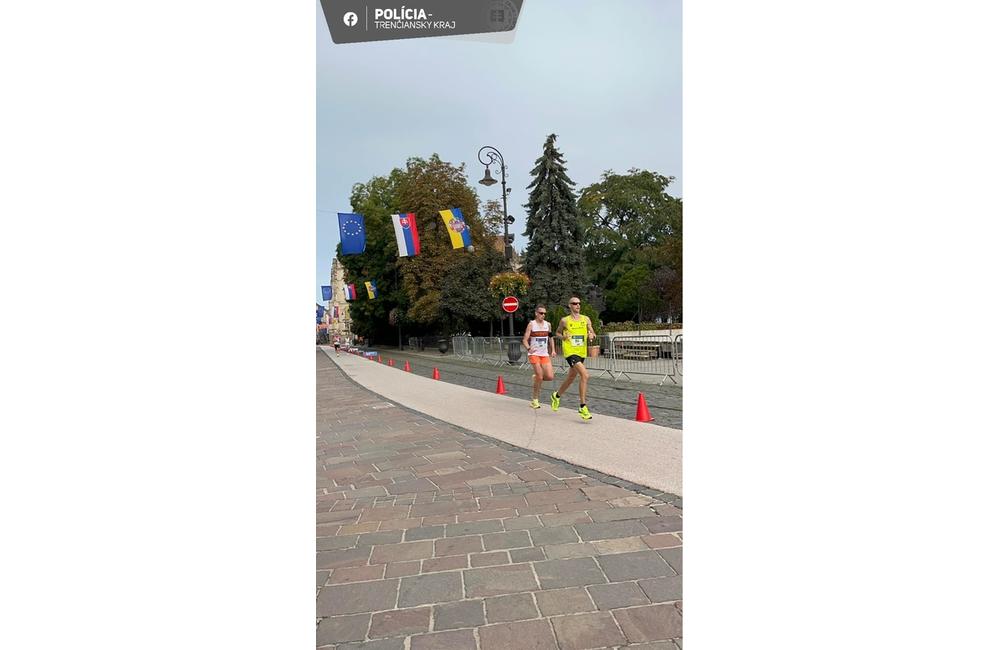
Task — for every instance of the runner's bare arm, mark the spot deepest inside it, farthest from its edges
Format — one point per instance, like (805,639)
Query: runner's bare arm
(527,335)
(591,334)
(562,326)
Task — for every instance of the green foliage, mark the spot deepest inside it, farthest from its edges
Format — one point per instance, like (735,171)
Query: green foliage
(633,223)
(554,256)
(629,326)
(441,289)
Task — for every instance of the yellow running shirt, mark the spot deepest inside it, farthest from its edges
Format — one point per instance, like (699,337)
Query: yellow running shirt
(575,337)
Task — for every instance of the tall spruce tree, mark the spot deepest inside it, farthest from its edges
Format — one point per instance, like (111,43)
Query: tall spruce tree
(554,257)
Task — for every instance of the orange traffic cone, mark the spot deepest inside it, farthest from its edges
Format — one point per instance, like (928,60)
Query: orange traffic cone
(641,412)
(437,375)
(391,362)
(380,358)
(500,388)
(406,366)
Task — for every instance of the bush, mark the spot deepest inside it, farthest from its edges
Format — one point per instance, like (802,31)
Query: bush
(629,326)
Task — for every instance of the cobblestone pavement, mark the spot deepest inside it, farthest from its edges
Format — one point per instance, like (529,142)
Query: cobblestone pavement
(604,396)
(432,537)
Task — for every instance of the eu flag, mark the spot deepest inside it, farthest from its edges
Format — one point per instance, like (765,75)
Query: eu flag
(352,233)
(327,292)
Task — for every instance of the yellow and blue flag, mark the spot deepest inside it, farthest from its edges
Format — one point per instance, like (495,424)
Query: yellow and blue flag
(458,230)
(372,291)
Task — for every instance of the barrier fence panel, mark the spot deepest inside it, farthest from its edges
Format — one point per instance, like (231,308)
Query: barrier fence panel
(462,346)
(512,352)
(644,355)
(679,354)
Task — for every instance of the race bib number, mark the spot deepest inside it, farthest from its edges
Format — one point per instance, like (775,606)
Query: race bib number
(576,340)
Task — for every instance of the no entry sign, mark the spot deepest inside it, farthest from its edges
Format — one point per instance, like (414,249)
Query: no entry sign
(509,304)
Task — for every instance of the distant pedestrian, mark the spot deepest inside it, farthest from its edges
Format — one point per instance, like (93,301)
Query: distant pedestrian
(574,331)
(336,343)
(540,346)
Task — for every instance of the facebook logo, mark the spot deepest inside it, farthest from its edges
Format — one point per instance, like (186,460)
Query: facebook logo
(350,19)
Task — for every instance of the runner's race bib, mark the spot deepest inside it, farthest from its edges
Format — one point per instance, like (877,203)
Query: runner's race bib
(577,340)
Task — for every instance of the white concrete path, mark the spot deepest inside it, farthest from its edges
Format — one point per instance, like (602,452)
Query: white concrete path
(634,451)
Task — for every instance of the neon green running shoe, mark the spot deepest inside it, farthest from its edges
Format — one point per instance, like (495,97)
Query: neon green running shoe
(535,404)
(555,402)
(585,413)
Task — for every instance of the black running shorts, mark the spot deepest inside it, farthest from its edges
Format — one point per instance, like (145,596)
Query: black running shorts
(574,359)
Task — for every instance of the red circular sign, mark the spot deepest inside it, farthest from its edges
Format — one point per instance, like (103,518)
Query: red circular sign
(509,304)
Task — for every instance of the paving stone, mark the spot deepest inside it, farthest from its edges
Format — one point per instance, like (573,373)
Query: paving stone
(605,492)
(458,545)
(355,598)
(656,645)
(407,487)
(618,594)
(513,539)
(522,523)
(523,635)
(632,566)
(553,535)
(321,577)
(589,506)
(332,543)
(381,644)
(441,508)
(630,502)
(651,623)
(400,622)
(355,529)
(567,519)
(563,601)
(620,514)
(357,574)
(581,631)
(496,503)
(381,514)
(473,528)
(402,552)
(399,569)
(610,530)
(453,640)
(423,532)
(673,558)
(662,540)
(565,551)
(495,581)
(488,559)
(526,554)
(447,563)
(505,513)
(342,558)
(620,545)
(554,496)
(399,524)
(380,538)
(664,524)
(576,572)
(342,628)
(430,588)
(466,613)
(661,590)
(339,516)
(515,607)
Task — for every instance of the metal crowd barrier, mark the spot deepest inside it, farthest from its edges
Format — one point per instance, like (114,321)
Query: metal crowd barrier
(622,356)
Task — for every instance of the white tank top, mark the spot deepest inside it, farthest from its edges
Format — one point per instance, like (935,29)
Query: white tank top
(539,345)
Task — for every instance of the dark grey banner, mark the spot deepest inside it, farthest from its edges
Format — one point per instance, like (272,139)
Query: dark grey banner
(359,21)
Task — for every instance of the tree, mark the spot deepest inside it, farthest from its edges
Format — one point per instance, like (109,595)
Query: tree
(631,221)
(431,278)
(554,256)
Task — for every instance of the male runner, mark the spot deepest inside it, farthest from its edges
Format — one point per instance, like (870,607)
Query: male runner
(572,330)
(540,346)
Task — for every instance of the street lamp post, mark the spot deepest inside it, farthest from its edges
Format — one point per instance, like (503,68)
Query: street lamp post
(493,156)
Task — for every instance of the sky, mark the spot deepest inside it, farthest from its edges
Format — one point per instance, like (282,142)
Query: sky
(605,78)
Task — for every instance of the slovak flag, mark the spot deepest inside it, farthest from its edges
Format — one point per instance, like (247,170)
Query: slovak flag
(349,292)
(407,239)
